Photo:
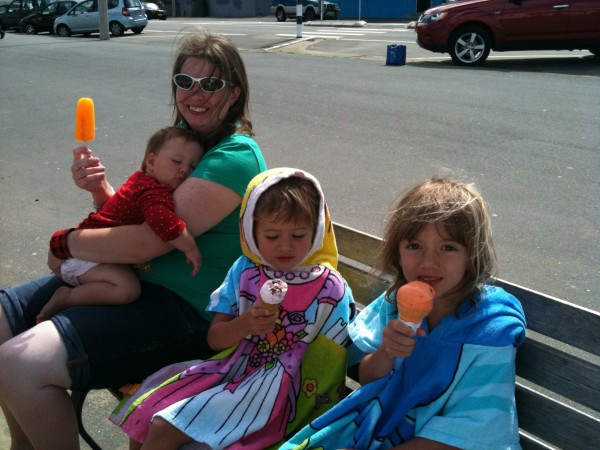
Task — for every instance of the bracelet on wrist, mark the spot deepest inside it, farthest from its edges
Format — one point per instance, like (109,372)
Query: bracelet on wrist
(59,245)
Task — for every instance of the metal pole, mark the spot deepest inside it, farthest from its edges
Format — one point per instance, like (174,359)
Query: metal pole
(103,19)
(359,8)
(298,18)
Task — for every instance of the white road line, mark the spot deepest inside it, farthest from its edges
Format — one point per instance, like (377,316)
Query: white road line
(306,36)
(359,32)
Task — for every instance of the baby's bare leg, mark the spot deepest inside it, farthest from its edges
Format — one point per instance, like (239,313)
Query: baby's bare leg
(105,284)
(58,302)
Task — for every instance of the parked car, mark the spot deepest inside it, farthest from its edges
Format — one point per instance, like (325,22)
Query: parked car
(43,20)
(469,29)
(310,10)
(153,11)
(11,15)
(83,18)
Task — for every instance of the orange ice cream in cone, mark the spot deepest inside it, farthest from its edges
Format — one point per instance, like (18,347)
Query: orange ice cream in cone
(415,301)
(272,294)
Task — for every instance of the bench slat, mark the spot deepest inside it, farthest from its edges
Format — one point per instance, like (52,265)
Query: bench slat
(555,422)
(563,321)
(365,286)
(356,245)
(531,443)
(560,372)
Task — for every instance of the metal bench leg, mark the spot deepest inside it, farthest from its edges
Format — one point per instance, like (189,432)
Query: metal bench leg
(78,400)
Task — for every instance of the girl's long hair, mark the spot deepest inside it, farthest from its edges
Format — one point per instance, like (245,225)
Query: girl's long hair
(463,216)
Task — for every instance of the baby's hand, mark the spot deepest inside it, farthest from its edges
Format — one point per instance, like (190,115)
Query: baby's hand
(194,258)
(398,339)
(54,264)
(259,320)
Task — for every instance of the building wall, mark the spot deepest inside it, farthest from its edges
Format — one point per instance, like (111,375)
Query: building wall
(369,9)
(238,8)
(384,9)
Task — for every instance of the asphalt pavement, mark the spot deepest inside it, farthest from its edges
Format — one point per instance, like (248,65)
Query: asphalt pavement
(37,103)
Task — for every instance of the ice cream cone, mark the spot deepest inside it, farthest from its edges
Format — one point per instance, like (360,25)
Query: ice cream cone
(268,306)
(272,294)
(415,301)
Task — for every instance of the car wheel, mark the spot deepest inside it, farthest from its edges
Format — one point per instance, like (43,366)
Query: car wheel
(138,30)
(116,29)
(469,46)
(310,15)
(280,15)
(63,31)
(29,29)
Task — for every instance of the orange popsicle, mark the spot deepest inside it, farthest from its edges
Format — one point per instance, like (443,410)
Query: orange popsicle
(84,120)
(415,301)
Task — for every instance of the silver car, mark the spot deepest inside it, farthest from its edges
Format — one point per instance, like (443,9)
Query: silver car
(311,10)
(83,18)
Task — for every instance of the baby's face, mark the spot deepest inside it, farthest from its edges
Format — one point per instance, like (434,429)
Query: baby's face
(174,162)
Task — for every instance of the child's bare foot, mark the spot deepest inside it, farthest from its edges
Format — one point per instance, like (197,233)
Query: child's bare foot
(55,304)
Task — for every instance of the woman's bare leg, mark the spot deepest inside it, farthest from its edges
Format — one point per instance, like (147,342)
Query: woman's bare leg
(33,384)
(5,331)
(18,439)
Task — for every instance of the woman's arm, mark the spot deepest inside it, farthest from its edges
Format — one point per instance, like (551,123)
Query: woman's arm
(200,203)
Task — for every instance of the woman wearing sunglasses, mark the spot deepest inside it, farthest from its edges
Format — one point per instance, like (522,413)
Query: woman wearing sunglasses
(105,346)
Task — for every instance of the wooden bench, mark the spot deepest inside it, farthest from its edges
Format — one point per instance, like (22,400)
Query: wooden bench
(558,365)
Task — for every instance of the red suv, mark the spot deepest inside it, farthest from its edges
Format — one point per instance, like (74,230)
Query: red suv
(469,29)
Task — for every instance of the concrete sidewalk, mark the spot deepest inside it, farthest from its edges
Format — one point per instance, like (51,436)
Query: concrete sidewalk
(408,23)
(99,405)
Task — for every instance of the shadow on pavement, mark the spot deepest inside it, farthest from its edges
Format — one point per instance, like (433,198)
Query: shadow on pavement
(575,65)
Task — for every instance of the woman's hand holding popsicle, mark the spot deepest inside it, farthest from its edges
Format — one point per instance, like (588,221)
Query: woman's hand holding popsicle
(87,170)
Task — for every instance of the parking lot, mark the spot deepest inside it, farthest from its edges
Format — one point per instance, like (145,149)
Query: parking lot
(524,127)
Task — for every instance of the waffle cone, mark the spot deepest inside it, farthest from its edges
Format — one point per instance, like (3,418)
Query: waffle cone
(269,306)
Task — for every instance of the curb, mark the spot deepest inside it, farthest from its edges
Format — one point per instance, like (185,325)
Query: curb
(356,24)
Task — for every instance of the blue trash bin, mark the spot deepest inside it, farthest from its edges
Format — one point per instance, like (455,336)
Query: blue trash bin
(396,55)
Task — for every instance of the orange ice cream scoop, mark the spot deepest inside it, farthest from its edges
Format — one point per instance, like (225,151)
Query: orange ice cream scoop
(415,301)
(84,120)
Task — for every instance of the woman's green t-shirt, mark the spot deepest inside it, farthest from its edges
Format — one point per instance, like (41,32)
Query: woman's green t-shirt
(232,163)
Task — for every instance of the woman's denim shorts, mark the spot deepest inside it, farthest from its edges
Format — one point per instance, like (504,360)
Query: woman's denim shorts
(110,345)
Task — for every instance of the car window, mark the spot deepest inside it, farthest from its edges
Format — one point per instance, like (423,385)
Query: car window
(64,7)
(50,9)
(133,4)
(14,6)
(85,7)
(113,4)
